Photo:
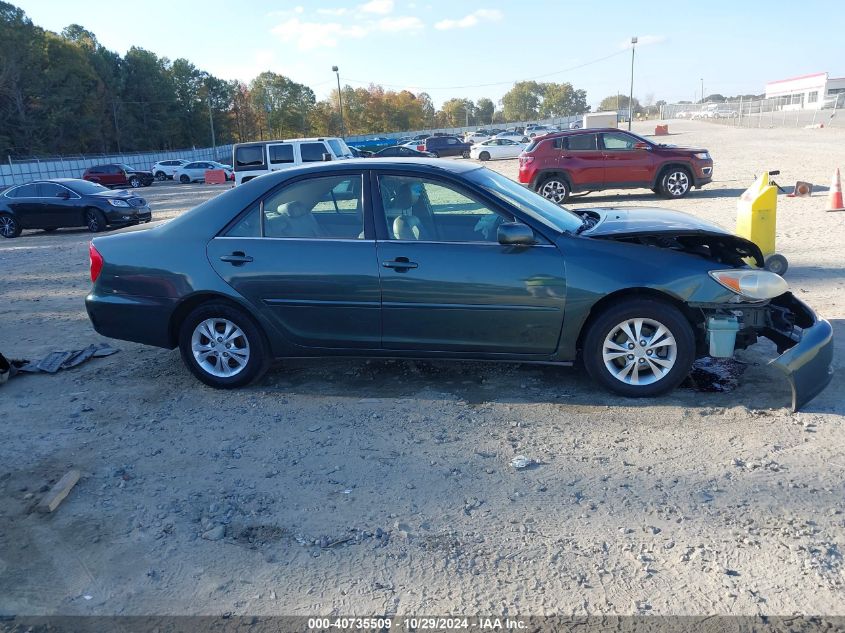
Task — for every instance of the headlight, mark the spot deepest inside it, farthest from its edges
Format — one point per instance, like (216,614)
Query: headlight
(751,284)
(702,155)
(116,202)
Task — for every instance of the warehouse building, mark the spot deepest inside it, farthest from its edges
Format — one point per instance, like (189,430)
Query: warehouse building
(808,92)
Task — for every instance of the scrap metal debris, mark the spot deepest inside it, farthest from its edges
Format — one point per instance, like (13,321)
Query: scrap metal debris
(715,374)
(53,362)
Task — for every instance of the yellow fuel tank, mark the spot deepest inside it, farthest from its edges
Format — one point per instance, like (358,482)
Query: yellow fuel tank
(756,214)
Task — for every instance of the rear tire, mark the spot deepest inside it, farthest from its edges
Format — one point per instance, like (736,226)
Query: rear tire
(675,182)
(465,154)
(203,339)
(95,220)
(555,188)
(625,366)
(9,226)
(435,155)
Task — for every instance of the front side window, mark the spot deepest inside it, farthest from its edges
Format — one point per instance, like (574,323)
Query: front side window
(50,190)
(618,140)
(312,152)
(329,207)
(417,209)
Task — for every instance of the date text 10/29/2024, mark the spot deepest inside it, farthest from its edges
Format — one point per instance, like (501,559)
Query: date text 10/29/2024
(416,624)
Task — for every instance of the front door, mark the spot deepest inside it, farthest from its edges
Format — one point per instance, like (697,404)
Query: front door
(625,164)
(303,258)
(58,206)
(447,284)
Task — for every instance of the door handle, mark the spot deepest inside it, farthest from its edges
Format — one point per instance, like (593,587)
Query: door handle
(400,263)
(238,258)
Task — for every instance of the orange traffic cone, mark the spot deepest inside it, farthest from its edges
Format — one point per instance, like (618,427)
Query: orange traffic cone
(835,203)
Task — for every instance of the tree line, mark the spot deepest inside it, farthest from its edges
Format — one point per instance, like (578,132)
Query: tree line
(65,93)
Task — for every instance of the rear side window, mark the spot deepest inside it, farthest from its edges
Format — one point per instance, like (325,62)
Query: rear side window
(312,152)
(581,142)
(249,156)
(24,191)
(281,154)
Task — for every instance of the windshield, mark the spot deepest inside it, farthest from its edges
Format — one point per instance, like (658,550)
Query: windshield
(84,187)
(126,167)
(530,203)
(339,147)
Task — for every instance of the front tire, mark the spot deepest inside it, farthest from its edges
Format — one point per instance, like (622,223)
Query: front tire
(222,346)
(9,226)
(484,156)
(555,188)
(639,348)
(184,179)
(676,182)
(95,220)
(161,176)
(134,182)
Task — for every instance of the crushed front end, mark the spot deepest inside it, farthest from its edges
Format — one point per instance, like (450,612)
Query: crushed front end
(803,339)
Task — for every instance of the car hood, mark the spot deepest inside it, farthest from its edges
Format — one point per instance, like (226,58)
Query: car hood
(675,230)
(680,148)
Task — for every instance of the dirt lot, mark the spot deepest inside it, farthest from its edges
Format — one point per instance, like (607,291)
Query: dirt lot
(386,487)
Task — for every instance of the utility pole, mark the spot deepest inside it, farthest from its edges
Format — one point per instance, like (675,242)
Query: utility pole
(702,90)
(116,128)
(211,123)
(631,97)
(340,102)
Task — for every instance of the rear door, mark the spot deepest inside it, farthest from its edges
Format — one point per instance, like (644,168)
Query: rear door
(580,157)
(304,256)
(624,164)
(27,206)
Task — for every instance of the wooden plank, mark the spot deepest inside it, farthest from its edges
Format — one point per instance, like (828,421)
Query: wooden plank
(58,492)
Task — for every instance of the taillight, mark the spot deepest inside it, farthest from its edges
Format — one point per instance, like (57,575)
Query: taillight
(525,160)
(96,261)
(420,148)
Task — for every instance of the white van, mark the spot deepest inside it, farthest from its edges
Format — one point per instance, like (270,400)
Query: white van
(250,160)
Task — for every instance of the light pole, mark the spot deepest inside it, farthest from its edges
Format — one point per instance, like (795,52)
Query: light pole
(702,90)
(631,96)
(340,102)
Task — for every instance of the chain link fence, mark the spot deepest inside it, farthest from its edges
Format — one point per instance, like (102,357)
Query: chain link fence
(16,171)
(778,112)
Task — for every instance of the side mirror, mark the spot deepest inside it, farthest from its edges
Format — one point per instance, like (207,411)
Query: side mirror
(642,145)
(516,234)
(326,157)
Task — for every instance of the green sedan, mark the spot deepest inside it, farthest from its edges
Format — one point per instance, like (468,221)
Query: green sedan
(445,260)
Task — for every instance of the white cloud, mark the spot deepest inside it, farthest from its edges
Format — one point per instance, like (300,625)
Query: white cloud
(311,35)
(381,7)
(469,20)
(340,11)
(406,23)
(643,40)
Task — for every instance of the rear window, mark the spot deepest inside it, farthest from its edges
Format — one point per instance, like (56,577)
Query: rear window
(312,152)
(249,156)
(581,142)
(280,154)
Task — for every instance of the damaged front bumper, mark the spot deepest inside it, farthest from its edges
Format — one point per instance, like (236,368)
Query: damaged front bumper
(803,339)
(805,343)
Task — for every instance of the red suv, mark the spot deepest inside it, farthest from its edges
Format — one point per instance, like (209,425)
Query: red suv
(558,164)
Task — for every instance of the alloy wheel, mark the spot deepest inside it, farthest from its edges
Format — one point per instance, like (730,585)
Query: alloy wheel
(134,182)
(92,220)
(220,347)
(639,351)
(8,226)
(677,183)
(555,190)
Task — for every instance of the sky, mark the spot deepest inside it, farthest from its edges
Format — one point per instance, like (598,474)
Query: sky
(478,48)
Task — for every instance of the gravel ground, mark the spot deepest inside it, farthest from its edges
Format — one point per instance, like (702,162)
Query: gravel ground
(386,487)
